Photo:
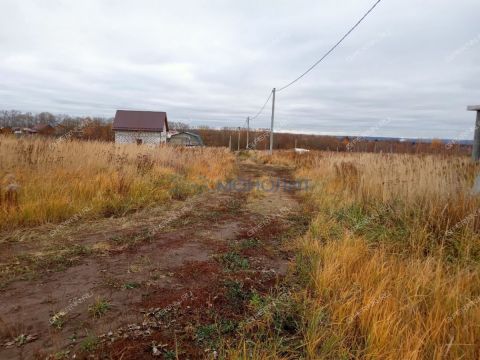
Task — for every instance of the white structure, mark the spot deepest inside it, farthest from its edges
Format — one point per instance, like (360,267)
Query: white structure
(140,127)
(301,151)
(140,137)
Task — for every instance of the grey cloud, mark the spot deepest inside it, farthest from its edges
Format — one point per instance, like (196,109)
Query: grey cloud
(214,62)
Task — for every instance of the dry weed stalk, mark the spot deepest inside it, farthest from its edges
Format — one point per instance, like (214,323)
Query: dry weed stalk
(58,179)
(402,225)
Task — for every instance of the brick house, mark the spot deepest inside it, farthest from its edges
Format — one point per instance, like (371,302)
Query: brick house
(140,127)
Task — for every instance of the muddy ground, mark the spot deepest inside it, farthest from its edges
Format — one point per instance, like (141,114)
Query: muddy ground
(157,283)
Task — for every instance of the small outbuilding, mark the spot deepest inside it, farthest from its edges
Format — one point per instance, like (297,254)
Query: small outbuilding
(185,138)
(44,129)
(140,127)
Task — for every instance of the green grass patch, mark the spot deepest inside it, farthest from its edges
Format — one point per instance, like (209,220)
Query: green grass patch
(99,308)
(235,292)
(89,344)
(233,261)
(130,285)
(249,243)
(210,335)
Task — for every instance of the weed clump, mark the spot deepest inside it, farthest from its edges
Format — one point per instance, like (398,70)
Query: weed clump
(99,308)
(233,261)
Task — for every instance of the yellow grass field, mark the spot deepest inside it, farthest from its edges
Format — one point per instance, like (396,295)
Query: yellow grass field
(381,253)
(47,181)
(390,264)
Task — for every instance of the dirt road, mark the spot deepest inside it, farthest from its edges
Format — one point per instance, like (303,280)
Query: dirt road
(159,281)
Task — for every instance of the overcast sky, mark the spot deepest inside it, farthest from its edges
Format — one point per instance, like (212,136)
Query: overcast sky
(409,70)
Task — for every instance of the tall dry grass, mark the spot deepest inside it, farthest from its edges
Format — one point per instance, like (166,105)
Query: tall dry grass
(50,181)
(389,268)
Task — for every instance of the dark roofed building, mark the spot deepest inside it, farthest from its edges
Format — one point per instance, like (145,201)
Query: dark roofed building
(140,127)
(44,129)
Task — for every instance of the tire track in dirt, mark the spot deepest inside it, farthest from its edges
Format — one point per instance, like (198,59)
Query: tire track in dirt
(194,273)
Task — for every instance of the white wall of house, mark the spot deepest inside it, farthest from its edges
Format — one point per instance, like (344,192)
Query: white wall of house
(147,137)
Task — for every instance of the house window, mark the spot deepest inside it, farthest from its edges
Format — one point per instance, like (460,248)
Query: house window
(139,141)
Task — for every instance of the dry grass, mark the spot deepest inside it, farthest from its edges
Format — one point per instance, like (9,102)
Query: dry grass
(390,266)
(44,181)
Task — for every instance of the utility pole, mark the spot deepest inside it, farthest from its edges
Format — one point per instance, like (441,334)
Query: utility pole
(239,138)
(295,143)
(248,129)
(230,143)
(476,138)
(271,125)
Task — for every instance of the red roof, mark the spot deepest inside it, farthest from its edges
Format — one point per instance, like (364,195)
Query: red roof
(140,120)
(41,127)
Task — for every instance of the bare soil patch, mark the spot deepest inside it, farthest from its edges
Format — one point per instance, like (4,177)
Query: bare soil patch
(175,290)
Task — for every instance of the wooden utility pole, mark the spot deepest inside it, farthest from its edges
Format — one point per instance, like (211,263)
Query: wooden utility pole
(248,129)
(295,143)
(271,125)
(230,143)
(239,138)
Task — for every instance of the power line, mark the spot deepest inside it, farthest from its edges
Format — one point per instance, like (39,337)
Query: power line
(263,107)
(331,50)
(308,70)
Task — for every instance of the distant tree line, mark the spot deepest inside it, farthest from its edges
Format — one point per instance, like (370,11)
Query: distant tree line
(100,128)
(85,127)
(260,140)
(15,118)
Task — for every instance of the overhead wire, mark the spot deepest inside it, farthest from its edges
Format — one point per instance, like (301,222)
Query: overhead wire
(319,60)
(262,108)
(331,49)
